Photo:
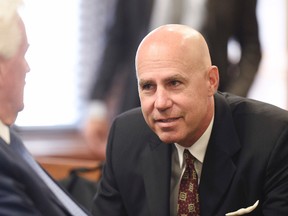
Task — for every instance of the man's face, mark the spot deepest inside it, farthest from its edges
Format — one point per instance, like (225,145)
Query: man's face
(175,96)
(13,73)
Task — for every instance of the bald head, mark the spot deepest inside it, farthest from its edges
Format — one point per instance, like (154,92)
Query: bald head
(176,83)
(174,42)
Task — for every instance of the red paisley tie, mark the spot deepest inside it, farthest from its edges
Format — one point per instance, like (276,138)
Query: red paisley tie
(188,199)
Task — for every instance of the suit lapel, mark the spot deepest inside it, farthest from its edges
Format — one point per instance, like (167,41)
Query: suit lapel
(156,166)
(218,167)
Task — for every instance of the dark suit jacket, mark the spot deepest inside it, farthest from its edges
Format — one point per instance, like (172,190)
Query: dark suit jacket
(246,160)
(226,19)
(22,191)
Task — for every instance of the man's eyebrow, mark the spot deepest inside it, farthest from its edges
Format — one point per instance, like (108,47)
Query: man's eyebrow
(174,77)
(144,82)
(167,79)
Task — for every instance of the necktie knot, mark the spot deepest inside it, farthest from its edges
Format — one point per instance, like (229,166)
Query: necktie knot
(189,158)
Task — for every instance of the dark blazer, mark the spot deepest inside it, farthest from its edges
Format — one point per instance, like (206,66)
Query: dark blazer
(226,19)
(22,191)
(246,160)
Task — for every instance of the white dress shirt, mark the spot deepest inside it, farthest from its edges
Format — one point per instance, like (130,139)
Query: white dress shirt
(4,132)
(198,150)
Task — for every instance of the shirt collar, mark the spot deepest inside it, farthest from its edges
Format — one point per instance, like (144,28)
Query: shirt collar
(4,132)
(198,149)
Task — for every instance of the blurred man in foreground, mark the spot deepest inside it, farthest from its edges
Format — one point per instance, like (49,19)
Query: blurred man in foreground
(25,188)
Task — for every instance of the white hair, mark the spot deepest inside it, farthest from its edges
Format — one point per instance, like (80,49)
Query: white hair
(10,35)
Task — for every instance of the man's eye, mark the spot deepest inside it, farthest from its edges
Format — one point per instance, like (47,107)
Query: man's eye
(174,83)
(147,87)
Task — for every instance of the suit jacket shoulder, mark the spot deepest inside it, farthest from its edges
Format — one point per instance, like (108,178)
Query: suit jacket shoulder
(22,192)
(246,158)
(137,170)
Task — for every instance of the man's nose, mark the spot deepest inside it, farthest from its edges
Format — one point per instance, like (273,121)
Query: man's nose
(163,100)
(27,67)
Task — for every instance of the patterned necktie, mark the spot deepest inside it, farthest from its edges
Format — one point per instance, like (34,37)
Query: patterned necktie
(70,205)
(188,200)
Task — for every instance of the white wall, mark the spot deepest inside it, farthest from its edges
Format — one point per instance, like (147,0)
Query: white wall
(271,84)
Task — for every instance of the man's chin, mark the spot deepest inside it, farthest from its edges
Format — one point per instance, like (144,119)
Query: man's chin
(168,138)
(21,107)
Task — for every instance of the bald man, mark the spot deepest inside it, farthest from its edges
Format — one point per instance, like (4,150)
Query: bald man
(240,145)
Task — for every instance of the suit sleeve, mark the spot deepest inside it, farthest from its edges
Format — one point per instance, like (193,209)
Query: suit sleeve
(276,182)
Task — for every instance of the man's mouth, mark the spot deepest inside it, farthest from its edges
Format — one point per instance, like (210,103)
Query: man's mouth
(167,120)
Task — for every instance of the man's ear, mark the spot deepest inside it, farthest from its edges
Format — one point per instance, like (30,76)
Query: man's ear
(213,75)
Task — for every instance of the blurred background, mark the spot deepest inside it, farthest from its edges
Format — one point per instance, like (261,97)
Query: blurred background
(66,42)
